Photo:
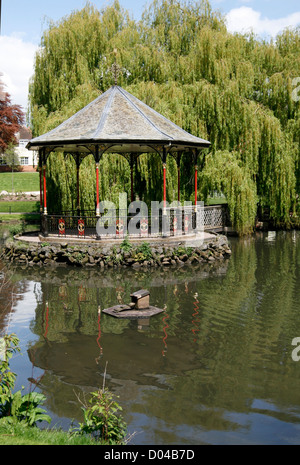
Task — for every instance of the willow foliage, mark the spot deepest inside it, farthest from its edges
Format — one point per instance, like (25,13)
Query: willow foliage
(225,173)
(234,90)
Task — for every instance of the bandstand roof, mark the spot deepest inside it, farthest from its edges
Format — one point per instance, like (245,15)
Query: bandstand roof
(119,123)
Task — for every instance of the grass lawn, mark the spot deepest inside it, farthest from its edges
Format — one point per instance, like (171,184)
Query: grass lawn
(216,201)
(21,206)
(19,182)
(19,223)
(18,434)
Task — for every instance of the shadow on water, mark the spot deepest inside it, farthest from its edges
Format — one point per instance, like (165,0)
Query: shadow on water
(215,367)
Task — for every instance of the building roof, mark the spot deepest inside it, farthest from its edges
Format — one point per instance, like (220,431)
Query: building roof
(24,133)
(120,123)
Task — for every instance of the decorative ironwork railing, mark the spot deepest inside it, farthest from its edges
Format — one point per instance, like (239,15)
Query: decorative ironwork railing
(170,222)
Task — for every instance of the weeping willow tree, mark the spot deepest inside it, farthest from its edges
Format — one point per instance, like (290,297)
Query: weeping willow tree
(234,90)
(225,173)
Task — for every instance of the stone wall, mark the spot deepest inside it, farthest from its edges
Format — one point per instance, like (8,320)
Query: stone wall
(123,255)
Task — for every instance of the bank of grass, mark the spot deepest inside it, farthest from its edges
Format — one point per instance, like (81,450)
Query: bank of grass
(20,219)
(18,434)
(20,206)
(19,182)
(7,218)
(216,201)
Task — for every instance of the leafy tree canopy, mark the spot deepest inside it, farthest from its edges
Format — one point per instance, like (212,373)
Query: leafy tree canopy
(11,119)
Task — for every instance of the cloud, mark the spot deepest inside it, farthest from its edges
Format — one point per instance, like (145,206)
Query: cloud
(17,66)
(245,19)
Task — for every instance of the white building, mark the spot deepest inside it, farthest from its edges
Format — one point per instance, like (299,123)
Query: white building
(28,159)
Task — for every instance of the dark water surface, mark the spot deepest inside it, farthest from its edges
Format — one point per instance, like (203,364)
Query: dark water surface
(215,368)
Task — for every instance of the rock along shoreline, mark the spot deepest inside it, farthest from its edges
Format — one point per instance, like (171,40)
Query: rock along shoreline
(126,254)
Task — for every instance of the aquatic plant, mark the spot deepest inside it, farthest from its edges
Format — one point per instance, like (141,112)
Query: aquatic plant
(16,406)
(102,418)
(143,252)
(126,246)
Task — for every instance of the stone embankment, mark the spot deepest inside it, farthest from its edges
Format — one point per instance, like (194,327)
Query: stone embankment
(125,254)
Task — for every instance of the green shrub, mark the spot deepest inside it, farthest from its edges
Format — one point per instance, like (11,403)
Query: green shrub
(16,229)
(102,418)
(183,251)
(8,347)
(26,408)
(143,252)
(15,405)
(126,246)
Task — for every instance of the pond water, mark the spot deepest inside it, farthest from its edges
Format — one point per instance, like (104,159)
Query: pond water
(215,368)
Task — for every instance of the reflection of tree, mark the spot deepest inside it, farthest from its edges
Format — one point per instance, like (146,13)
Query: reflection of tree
(6,292)
(278,278)
(74,310)
(11,291)
(247,319)
(73,313)
(238,351)
(72,305)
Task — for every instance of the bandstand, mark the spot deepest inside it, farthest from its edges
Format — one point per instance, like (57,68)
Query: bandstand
(117,122)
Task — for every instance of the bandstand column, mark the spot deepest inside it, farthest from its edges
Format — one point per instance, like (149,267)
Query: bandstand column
(97,189)
(45,183)
(165,179)
(44,222)
(165,187)
(196,183)
(78,192)
(131,175)
(196,178)
(178,183)
(97,181)
(41,186)
(178,175)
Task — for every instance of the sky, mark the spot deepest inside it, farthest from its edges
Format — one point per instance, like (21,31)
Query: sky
(23,22)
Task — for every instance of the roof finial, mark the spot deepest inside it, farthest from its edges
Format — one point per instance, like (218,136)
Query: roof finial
(115,68)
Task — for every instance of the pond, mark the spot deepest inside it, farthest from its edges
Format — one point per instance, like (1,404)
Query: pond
(215,367)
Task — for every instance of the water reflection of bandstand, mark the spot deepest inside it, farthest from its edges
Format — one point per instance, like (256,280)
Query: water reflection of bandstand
(70,304)
(220,374)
